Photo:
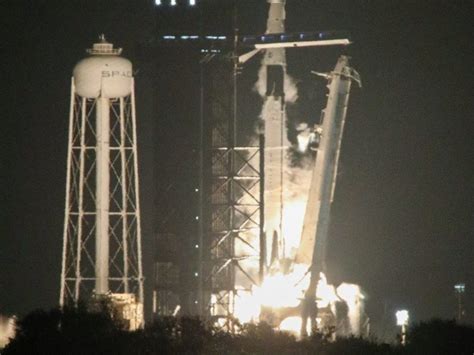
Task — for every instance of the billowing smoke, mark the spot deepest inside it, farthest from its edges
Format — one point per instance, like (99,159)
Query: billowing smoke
(290,88)
(354,299)
(284,285)
(7,330)
(296,177)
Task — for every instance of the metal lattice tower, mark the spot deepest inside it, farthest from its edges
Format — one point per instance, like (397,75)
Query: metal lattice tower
(166,288)
(102,231)
(233,203)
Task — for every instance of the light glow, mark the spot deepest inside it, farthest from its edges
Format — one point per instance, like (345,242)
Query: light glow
(293,325)
(402,317)
(325,293)
(7,330)
(279,298)
(282,291)
(293,212)
(352,296)
(329,42)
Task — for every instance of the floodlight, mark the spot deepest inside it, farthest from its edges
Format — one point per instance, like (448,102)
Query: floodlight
(402,317)
(460,288)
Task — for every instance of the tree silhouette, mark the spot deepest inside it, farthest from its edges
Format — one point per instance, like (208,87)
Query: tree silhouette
(440,337)
(77,331)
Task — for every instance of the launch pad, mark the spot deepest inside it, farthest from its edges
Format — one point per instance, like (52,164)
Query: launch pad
(249,249)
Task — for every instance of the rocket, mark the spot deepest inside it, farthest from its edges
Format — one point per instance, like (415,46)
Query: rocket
(276,141)
(276,24)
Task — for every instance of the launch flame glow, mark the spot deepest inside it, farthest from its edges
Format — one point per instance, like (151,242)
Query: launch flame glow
(280,289)
(286,196)
(285,289)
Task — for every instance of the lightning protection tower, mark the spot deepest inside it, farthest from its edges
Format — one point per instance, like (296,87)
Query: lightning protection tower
(102,234)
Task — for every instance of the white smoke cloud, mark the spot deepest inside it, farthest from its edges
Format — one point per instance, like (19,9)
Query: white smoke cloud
(289,85)
(352,295)
(7,330)
(285,288)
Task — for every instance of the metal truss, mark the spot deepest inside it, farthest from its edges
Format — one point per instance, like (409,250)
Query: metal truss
(232,199)
(166,271)
(175,259)
(125,259)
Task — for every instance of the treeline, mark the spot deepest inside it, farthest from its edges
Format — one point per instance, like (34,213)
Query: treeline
(76,331)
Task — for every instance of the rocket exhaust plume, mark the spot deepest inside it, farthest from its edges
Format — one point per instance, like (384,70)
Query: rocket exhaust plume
(290,279)
(277,89)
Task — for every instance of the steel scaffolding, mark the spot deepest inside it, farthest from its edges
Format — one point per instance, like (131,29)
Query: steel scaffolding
(231,197)
(79,265)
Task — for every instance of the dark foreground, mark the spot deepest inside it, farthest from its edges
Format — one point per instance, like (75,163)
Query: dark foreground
(75,331)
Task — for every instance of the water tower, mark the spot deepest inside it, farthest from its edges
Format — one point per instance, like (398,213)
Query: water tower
(102,234)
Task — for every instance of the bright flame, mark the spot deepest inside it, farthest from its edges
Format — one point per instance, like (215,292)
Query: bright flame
(293,211)
(246,309)
(349,292)
(325,294)
(293,325)
(352,296)
(281,290)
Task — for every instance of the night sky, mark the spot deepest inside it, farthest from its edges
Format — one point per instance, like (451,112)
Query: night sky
(402,224)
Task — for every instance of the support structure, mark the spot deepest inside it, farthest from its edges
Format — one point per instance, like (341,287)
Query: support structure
(314,237)
(232,176)
(240,213)
(102,231)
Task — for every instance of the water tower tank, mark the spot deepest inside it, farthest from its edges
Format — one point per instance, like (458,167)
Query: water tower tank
(103,74)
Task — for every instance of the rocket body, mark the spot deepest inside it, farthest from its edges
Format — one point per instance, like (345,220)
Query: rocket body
(276,24)
(274,117)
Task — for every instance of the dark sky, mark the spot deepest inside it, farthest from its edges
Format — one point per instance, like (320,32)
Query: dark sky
(403,224)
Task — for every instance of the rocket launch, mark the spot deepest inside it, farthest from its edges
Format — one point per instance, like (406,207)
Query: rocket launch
(276,141)
(289,267)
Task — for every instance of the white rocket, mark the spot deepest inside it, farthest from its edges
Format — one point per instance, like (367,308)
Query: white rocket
(276,142)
